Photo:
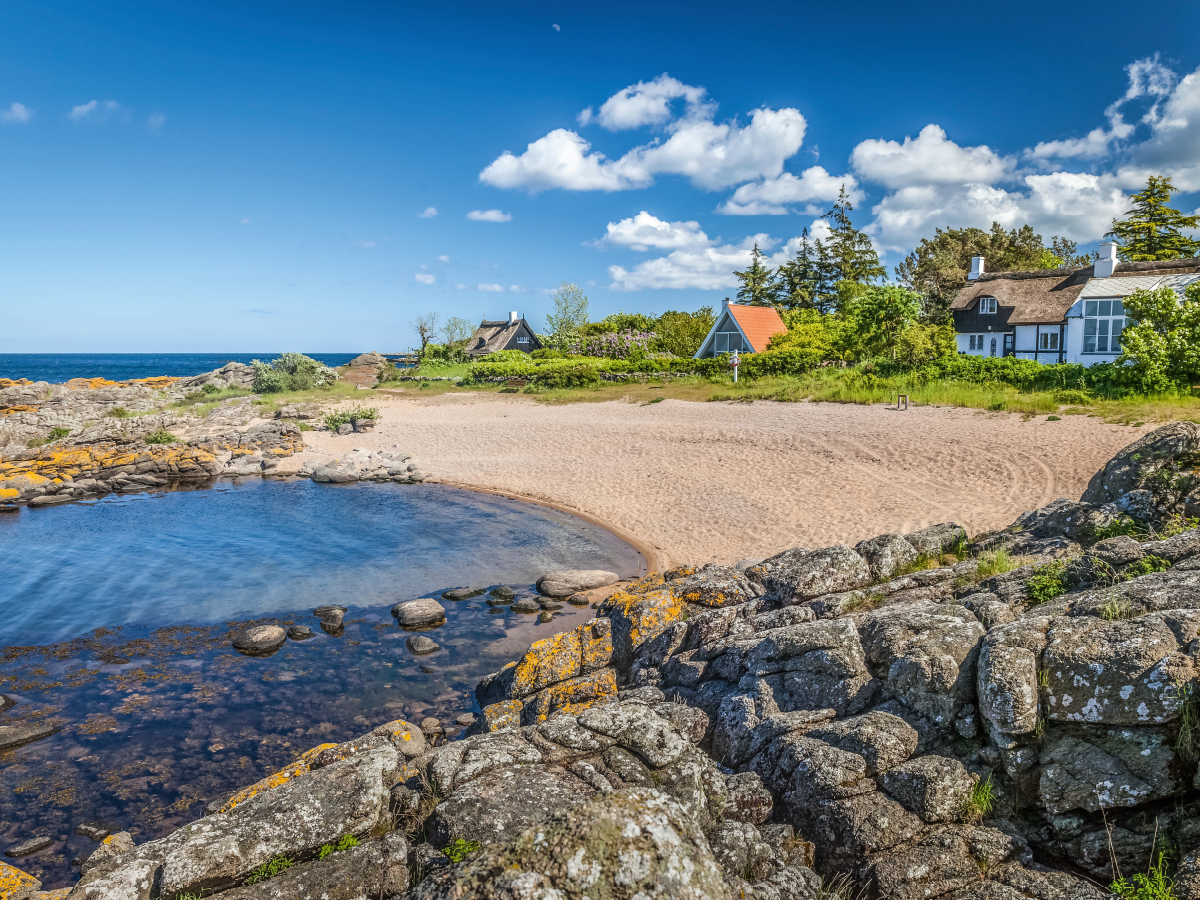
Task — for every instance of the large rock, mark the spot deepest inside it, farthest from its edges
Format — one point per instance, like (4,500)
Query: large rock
(937,539)
(636,618)
(12,736)
(563,656)
(712,586)
(1008,675)
(570,581)
(933,787)
(1131,468)
(926,654)
(294,819)
(794,577)
(261,640)
(504,802)
(1106,768)
(413,613)
(944,859)
(631,843)
(377,868)
(886,554)
(15,884)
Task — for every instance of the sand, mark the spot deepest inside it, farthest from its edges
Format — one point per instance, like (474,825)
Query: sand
(697,482)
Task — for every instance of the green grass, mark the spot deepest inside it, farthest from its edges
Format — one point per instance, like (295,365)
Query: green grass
(1116,609)
(161,436)
(459,849)
(1046,583)
(119,412)
(993,563)
(276,866)
(1145,566)
(979,802)
(209,399)
(1154,885)
(344,843)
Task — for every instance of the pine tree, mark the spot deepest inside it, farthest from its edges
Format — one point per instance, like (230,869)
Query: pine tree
(850,252)
(1152,230)
(758,282)
(799,280)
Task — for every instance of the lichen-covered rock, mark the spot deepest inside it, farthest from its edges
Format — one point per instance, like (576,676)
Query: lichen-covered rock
(880,738)
(941,860)
(15,884)
(636,618)
(373,869)
(631,843)
(571,696)
(1132,467)
(1106,768)
(928,653)
(1008,675)
(937,539)
(503,802)
(635,726)
(740,850)
(501,715)
(795,577)
(933,787)
(711,586)
(886,554)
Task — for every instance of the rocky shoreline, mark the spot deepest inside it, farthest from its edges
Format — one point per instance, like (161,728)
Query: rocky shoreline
(90,437)
(917,716)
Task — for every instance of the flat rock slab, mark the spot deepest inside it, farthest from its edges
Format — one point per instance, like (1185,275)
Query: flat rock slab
(503,592)
(16,735)
(426,611)
(570,581)
(261,640)
(95,831)
(29,847)
(462,593)
(419,644)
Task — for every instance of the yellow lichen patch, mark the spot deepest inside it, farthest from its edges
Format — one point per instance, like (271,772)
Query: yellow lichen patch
(9,382)
(505,714)
(157,382)
(284,775)
(547,661)
(10,410)
(637,618)
(9,493)
(571,696)
(56,894)
(15,883)
(596,643)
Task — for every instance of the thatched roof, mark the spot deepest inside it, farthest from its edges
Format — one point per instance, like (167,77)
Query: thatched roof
(1043,296)
(492,336)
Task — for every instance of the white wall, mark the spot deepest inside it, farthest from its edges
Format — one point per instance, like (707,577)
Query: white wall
(1075,352)
(964,344)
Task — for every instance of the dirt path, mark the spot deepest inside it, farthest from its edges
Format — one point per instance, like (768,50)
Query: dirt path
(724,481)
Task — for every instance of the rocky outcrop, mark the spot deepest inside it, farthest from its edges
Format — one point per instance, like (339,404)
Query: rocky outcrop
(365,465)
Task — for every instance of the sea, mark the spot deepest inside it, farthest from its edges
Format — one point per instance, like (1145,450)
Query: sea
(59,367)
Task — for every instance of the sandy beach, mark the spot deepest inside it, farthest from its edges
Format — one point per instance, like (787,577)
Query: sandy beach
(719,482)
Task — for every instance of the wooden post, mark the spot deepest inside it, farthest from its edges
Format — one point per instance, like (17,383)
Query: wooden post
(903,397)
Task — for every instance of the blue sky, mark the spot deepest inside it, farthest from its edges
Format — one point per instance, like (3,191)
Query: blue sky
(248,176)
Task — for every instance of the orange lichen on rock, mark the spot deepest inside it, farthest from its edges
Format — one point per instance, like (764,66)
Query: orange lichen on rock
(157,382)
(547,661)
(636,618)
(596,644)
(15,884)
(19,408)
(571,696)
(505,714)
(11,382)
(284,775)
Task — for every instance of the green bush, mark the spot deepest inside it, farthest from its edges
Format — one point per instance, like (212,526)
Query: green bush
(336,420)
(1073,397)
(345,843)
(567,377)
(1147,565)
(56,433)
(210,389)
(1046,583)
(291,372)
(546,353)
(161,436)
(1155,885)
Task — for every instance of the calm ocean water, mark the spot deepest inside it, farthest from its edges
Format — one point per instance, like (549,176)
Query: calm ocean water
(59,367)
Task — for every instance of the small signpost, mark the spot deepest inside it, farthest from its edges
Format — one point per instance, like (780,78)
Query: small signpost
(735,362)
(903,397)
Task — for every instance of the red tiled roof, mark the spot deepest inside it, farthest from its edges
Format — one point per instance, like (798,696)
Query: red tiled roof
(759,323)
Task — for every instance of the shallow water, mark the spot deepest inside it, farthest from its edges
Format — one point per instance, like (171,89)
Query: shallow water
(157,717)
(59,367)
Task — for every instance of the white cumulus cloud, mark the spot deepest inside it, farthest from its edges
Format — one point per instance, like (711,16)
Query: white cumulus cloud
(930,158)
(443,259)
(712,155)
(491,288)
(488,215)
(774,196)
(17,112)
(430,212)
(643,231)
(156,121)
(96,111)
(699,268)
(424,277)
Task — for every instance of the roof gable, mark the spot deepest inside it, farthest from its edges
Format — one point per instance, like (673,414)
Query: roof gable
(490,337)
(757,323)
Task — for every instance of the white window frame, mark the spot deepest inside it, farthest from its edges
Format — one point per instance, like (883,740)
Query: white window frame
(1049,340)
(1106,320)
(522,339)
(987,306)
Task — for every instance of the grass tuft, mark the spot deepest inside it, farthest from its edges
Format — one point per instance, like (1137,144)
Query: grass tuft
(161,436)
(979,802)
(1046,583)
(276,866)
(1154,885)
(344,843)
(1187,739)
(995,562)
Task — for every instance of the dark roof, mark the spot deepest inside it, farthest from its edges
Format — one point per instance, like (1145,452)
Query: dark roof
(1041,296)
(492,336)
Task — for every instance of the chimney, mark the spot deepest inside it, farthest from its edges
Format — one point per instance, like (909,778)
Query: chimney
(1106,265)
(976,268)
(726,303)
(512,317)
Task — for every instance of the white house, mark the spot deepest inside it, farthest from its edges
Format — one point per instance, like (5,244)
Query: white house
(1073,314)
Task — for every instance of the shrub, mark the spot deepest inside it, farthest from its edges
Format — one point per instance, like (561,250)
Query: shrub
(567,377)
(119,412)
(345,843)
(1154,885)
(1073,397)
(459,849)
(291,372)
(546,353)
(160,436)
(1119,526)
(356,413)
(1046,583)
(210,389)
(621,345)
(56,433)
(1145,566)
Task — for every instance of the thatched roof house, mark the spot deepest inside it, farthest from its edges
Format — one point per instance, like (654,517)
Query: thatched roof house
(513,334)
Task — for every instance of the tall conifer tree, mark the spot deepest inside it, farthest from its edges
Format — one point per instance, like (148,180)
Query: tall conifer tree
(1153,229)
(851,255)
(758,282)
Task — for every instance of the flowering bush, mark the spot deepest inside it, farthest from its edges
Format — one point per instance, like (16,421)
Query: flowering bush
(291,372)
(615,345)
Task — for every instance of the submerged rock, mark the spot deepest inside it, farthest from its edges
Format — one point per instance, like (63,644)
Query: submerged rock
(419,645)
(18,735)
(261,640)
(462,593)
(28,847)
(300,632)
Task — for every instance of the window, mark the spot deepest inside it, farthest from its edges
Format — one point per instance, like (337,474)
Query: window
(987,306)
(522,339)
(993,348)
(976,343)
(1049,340)
(1103,322)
